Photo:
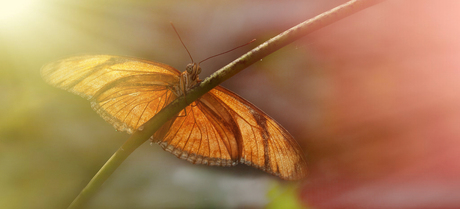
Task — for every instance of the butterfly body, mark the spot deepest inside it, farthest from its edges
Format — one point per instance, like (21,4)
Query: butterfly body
(220,128)
(188,79)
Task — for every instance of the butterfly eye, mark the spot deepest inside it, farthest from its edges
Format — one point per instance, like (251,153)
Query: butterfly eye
(189,68)
(199,70)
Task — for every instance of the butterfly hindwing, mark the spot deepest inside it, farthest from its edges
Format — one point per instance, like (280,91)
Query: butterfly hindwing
(200,136)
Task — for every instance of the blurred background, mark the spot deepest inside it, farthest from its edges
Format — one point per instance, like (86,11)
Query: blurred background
(373,99)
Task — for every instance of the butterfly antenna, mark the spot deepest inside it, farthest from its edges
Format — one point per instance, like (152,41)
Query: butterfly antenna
(228,51)
(181,41)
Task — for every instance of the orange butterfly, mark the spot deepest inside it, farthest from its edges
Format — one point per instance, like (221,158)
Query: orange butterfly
(220,128)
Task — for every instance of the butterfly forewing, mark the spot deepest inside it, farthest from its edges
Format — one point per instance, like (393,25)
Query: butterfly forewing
(265,143)
(126,92)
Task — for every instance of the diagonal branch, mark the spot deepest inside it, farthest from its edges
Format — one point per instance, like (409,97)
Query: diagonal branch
(214,80)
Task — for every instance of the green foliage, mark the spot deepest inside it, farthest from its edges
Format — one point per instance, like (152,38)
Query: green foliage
(284,197)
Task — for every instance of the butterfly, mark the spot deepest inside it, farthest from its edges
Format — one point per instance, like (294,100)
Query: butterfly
(220,128)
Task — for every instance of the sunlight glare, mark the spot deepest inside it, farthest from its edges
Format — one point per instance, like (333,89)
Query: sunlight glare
(10,11)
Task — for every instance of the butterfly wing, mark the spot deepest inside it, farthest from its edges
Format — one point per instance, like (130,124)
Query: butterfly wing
(126,92)
(223,129)
(199,136)
(265,143)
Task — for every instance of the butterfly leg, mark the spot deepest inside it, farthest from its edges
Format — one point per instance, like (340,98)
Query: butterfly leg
(183,90)
(176,90)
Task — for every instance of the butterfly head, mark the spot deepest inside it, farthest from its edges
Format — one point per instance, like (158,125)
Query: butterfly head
(193,70)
